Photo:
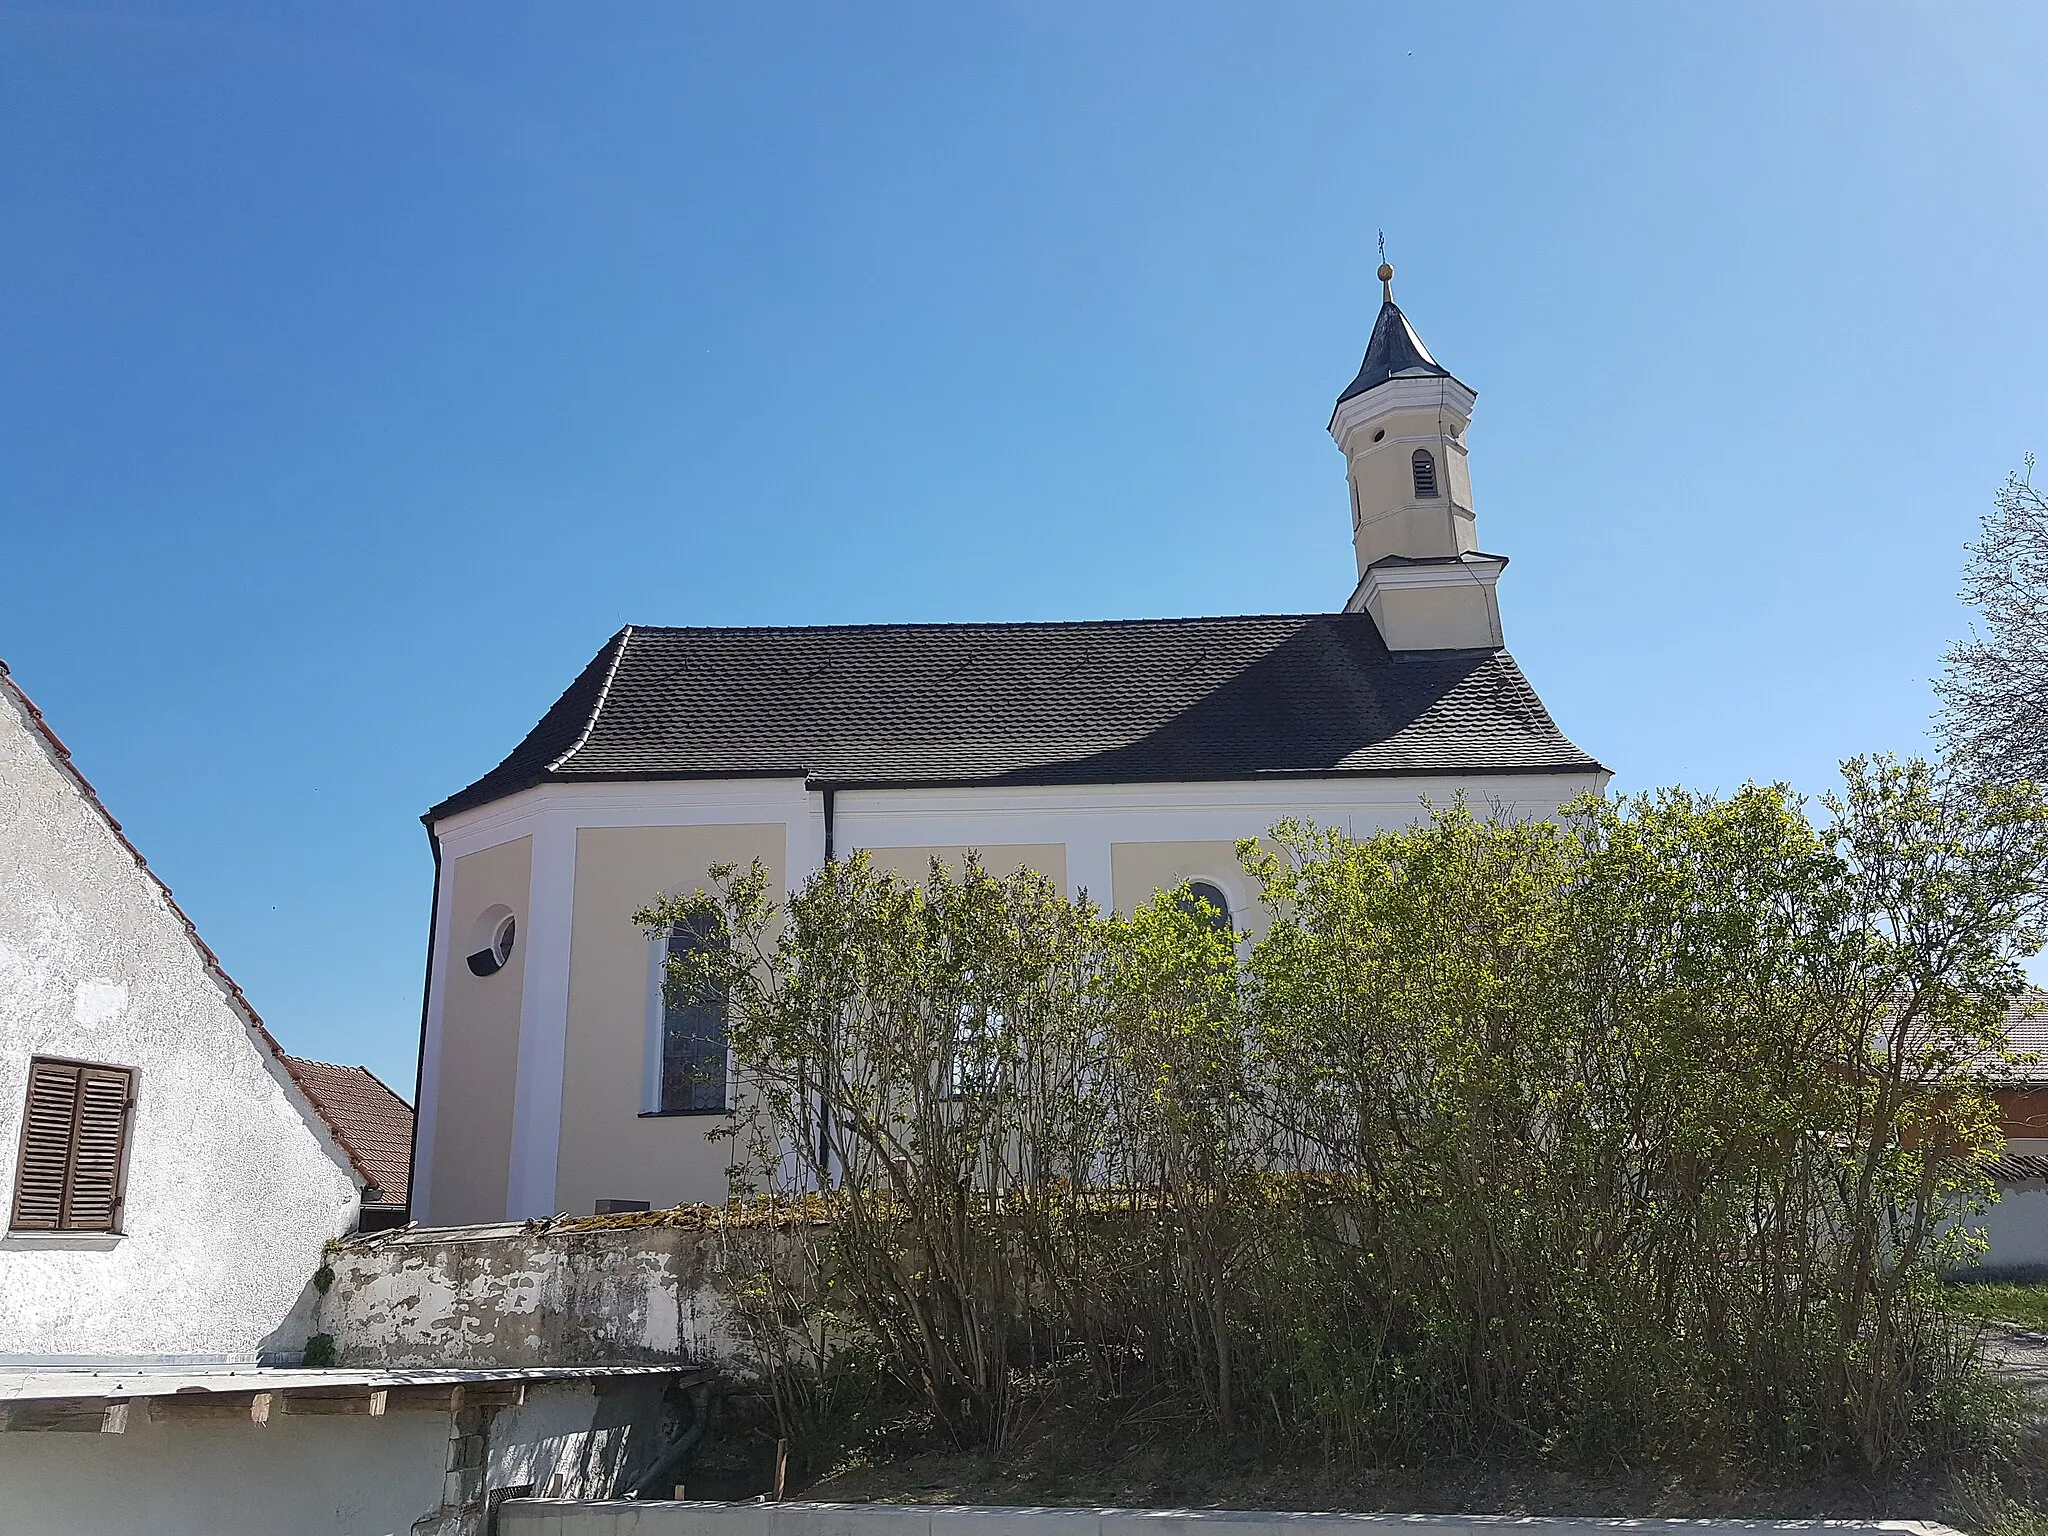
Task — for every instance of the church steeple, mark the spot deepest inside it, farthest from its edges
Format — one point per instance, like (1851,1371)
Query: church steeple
(1394,348)
(1401,424)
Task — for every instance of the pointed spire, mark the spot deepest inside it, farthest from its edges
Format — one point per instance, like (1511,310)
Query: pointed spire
(1394,348)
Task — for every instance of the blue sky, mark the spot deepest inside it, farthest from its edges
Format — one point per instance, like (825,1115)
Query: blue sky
(362,367)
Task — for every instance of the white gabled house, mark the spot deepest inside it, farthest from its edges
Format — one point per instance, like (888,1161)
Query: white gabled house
(170,1190)
(169,1186)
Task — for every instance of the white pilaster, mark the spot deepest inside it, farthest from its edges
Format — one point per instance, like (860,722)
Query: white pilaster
(543,1022)
(1088,863)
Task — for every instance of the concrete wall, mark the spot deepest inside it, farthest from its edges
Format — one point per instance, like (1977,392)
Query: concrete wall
(232,1185)
(540,1518)
(507,1296)
(327,1475)
(2017,1228)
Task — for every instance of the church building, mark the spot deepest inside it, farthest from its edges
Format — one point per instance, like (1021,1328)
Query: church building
(1117,757)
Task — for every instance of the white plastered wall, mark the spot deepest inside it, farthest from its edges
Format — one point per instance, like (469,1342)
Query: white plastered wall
(296,1475)
(231,1188)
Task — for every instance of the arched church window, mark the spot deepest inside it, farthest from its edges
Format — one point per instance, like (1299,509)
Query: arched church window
(1207,902)
(1425,472)
(694,1058)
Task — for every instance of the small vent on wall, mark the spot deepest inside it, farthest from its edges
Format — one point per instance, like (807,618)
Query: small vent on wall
(1425,472)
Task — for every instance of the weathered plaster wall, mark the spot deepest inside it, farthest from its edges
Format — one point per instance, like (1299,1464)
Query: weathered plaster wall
(327,1475)
(507,1296)
(231,1187)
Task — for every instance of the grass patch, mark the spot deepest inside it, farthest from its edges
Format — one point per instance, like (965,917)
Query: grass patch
(1996,1302)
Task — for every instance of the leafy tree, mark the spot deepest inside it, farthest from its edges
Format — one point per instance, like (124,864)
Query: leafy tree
(1993,720)
(1641,1131)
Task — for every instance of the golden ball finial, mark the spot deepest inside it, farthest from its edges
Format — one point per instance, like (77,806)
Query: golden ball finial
(1387,280)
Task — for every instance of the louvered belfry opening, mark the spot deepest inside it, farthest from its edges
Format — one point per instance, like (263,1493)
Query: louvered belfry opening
(74,1147)
(1425,472)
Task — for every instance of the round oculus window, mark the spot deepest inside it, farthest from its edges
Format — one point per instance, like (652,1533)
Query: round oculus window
(492,945)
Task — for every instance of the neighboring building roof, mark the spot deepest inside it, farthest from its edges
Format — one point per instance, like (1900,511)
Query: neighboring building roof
(373,1124)
(1109,702)
(61,756)
(2010,1170)
(2026,1032)
(1393,349)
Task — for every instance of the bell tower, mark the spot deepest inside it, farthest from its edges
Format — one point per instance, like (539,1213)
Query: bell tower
(1401,425)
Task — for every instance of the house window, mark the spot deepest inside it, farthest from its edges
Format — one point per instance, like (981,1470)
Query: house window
(74,1147)
(694,1062)
(1425,472)
(1207,901)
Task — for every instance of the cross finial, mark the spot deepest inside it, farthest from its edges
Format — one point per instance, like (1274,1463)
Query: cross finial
(1386,272)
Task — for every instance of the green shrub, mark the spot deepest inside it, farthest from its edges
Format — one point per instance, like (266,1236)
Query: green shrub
(1637,1134)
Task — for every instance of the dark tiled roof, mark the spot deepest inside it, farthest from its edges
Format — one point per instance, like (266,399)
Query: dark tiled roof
(373,1124)
(1394,348)
(1125,701)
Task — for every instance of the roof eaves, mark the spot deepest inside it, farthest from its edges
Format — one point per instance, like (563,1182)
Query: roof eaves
(1451,770)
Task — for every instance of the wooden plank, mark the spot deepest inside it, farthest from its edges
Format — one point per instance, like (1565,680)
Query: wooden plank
(124,1415)
(360,1400)
(59,1415)
(197,1404)
(490,1394)
(420,1400)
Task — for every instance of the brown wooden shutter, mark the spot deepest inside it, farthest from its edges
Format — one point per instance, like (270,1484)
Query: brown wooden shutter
(74,1142)
(45,1145)
(94,1203)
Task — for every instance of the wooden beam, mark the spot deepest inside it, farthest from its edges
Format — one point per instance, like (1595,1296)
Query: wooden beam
(369,1400)
(420,1399)
(59,1415)
(198,1403)
(124,1414)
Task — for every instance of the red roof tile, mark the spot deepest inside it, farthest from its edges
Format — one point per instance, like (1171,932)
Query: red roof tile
(373,1124)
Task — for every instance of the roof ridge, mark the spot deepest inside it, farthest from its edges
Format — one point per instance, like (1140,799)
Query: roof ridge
(597,708)
(976,624)
(347,1066)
